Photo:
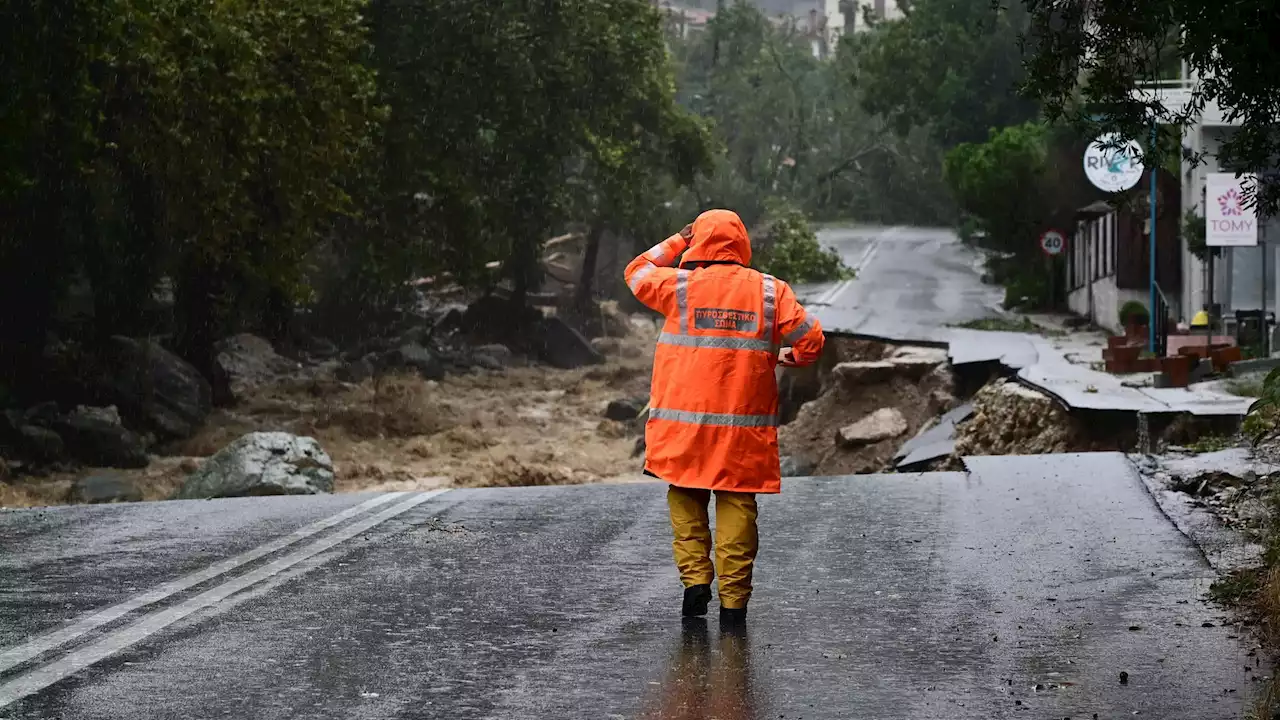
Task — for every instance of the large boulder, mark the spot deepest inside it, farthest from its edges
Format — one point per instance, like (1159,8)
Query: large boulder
(20,437)
(883,424)
(95,436)
(245,363)
(262,463)
(412,357)
(863,372)
(356,371)
(153,388)
(559,345)
(497,319)
(606,345)
(105,488)
(320,347)
(915,362)
(493,356)
(626,410)
(40,443)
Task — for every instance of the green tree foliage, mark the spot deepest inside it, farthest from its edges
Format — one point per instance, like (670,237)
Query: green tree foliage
(203,141)
(791,250)
(1088,57)
(500,110)
(1005,186)
(951,67)
(1000,183)
(793,126)
(242,157)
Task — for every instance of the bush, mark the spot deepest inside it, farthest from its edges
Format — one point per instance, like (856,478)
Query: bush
(1026,291)
(970,230)
(1135,313)
(1264,412)
(792,252)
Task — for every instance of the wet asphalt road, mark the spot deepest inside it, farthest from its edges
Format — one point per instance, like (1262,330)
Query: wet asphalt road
(1020,590)
(910,283)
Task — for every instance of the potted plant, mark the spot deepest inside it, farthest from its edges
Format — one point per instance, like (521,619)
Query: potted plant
(1134,318)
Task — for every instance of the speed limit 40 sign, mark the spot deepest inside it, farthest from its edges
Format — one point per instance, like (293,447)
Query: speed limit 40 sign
(1053,242)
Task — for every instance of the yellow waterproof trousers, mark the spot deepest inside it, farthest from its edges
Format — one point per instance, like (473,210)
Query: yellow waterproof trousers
(736,540)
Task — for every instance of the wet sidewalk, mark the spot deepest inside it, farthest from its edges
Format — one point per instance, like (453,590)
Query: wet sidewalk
(1059,366)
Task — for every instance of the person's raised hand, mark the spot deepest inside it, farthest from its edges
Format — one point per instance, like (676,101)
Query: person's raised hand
(787,357)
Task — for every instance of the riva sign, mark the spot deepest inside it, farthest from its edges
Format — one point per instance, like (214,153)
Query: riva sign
(1228,223)
(1112,164)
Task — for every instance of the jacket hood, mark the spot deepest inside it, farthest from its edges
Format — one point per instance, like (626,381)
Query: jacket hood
(719,236)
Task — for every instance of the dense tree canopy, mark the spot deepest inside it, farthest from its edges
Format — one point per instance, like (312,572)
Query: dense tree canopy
(188,169)
(203,142)
(1087,58)
(793,126)
(951,67)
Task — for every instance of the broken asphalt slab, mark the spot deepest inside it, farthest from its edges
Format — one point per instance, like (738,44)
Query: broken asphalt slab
(934,442)
(918,285)
(1038,364)
(1009,592)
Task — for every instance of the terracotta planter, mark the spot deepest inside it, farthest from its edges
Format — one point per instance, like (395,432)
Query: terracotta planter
(1115,341)
(1195,351)
(1121,360)
(1225,356)
(1146,364)
(1128,353)
(1135,332)
(1177,369)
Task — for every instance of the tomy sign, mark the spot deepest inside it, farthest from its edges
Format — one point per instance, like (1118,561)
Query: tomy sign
(1113,165)
(1227,222)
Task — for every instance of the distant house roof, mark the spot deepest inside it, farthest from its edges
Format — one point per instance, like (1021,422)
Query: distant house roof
(1094,209)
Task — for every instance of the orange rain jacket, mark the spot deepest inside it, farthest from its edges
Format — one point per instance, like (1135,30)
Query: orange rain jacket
(713,410)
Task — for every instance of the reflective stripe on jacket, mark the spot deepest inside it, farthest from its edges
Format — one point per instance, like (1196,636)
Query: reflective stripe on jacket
(713,413)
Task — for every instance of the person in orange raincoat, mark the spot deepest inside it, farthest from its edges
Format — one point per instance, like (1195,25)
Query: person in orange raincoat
(713,410)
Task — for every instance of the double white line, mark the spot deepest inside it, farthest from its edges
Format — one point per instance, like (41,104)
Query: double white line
(43,676)
(830,296)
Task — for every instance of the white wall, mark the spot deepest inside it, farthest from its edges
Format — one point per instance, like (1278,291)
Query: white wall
(1107,301)
(1238,276)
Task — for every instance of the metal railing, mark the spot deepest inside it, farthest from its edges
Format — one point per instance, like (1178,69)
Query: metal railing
(1175,83)
(1160,323)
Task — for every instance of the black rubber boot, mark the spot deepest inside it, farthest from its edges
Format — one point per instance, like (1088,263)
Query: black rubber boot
(733,617)
(696,599)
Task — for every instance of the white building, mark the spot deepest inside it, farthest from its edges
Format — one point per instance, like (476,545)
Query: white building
(826,21)
(1239,278)
(852,13)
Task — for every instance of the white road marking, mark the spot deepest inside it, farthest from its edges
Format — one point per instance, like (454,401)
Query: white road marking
(828,298)
(42,677)
(830,295)
(95,619)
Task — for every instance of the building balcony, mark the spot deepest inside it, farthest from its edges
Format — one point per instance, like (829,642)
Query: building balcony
(1175,95)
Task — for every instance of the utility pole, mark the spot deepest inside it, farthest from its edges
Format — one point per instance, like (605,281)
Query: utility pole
(1151,240)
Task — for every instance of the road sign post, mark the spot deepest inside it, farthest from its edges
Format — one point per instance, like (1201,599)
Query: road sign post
(1052,244)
